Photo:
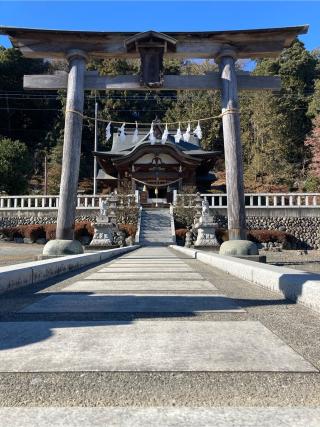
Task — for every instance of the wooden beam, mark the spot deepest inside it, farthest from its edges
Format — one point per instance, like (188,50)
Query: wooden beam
(198,82)
(256,43)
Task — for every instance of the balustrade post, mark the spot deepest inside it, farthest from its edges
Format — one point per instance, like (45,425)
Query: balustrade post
(267,200)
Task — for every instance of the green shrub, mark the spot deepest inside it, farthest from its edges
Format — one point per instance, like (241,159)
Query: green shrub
(15,166)
(311,184)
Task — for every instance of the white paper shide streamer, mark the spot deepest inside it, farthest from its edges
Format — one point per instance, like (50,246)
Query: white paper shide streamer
(165,135)
(152,138)
(122,136)
(108,131)
(135,137)
(198,131)
(186,135)
(178,135)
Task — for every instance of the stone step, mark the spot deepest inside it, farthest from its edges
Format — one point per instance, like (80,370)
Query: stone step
(154,234)
(155,227)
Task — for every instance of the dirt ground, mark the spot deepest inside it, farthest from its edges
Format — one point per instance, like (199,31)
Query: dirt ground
(16,253)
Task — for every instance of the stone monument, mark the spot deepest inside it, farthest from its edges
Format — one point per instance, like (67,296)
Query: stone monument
(206,228)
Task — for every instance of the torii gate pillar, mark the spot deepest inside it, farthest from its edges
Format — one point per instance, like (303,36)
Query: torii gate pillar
(237,244)
(232,145)
(65,242)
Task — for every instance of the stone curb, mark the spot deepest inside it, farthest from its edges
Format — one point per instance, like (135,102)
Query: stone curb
(299,286)
(20,275)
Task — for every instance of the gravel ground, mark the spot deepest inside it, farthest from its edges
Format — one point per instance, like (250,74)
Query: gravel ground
(301,260)
(298,326)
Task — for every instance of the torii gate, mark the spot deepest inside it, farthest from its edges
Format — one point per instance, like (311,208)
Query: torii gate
(223,46)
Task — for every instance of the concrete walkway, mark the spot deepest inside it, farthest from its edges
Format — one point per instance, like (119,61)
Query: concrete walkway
(170,335)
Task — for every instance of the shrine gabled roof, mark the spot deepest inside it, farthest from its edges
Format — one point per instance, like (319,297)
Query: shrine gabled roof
(189,155)
(127,147)
(255,43)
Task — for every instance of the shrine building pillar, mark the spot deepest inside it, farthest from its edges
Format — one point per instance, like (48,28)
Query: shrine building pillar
(232,144)
(72,145)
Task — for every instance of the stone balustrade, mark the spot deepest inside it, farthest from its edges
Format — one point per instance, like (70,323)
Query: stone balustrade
(51,203)
(255,200)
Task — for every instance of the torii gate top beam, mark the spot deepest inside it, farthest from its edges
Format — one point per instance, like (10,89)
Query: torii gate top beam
(259,43)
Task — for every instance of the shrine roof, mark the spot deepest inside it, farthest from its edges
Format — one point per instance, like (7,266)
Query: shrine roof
(127,147)
(196,151)
(254,43)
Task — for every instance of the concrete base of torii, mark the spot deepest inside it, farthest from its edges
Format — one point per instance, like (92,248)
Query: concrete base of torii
(238,248)
(58,247)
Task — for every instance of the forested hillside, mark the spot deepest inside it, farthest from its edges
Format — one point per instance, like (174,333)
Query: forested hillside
(280,131)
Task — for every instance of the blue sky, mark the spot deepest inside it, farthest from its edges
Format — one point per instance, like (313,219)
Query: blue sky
(162,15)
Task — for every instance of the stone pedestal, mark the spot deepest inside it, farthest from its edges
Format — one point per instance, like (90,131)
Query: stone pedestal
(206,233)
(104,232)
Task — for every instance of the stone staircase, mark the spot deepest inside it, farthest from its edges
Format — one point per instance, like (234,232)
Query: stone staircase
(155,227)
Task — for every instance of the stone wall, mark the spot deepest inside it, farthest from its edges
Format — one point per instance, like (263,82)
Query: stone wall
(21,220)
(305,229)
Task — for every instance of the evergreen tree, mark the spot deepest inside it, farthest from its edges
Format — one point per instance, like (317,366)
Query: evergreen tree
(14,166)
(280,122)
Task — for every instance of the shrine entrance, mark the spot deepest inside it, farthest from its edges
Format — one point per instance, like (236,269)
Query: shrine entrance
(155,192)
(225,47)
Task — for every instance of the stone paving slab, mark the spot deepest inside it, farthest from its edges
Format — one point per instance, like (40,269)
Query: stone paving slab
(105,274)
(160,417)
(173,259)
(137,285)
(142,268)
(142,261)
(147,303)
(145,346)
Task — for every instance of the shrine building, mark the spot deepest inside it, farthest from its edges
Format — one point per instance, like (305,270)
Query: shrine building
(155,168)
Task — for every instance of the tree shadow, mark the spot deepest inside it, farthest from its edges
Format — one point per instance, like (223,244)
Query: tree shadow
(37,321)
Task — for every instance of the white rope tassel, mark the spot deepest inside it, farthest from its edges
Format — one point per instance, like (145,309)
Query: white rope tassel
(198,131)
(152,138)
(135,137)
(122,136)
(178,135)
(165,135)
(108,131)
(186,135)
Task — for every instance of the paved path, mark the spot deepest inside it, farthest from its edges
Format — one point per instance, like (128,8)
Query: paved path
(185,343)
